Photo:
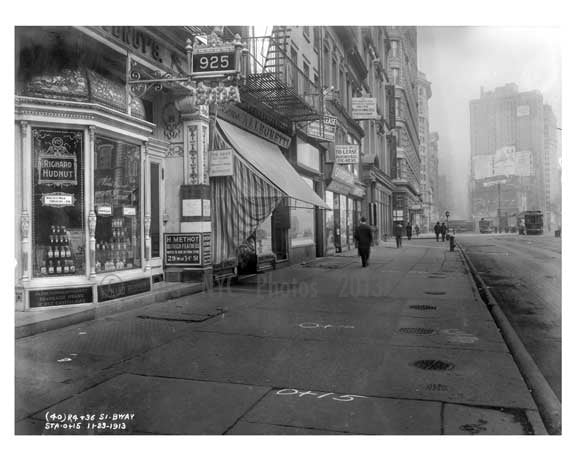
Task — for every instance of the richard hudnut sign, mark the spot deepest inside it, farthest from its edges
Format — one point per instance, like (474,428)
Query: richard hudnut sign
(57,170)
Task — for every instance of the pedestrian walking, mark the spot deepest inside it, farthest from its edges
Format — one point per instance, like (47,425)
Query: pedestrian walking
(437,229)
(443,230)
(409,231)
(398,230)
(417,230)
(363,239)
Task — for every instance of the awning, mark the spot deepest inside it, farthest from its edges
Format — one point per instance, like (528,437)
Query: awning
(269,161)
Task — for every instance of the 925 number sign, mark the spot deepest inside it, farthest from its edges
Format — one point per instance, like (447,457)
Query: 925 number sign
(221,61)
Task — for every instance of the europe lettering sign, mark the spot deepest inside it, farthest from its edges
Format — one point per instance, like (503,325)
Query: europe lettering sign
(347,153)
(57,170)
(364,109)
(182,249)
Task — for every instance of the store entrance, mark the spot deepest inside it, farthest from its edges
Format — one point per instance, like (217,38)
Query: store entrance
(280,226)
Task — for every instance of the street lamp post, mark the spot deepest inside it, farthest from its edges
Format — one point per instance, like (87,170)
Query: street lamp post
(447,222)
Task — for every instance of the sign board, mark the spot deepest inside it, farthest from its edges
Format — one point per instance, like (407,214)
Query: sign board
(364,109)
(182,249)
(57,170)
(129,211)
(107,291)
(205,207)
(347,153)
(522,111)
(60,297)
(221,60)
(221,163)
(244,120)
(206,248)
(103,210)
(58,200)
(324,129)
(192,207)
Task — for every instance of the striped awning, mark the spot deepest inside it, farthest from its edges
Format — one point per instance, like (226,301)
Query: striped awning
(269,161)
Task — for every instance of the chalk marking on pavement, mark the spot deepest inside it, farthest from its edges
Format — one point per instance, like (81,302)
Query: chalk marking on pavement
(320,325)
(337,398)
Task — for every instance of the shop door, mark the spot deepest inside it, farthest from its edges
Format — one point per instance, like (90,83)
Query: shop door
(280,226)
(156,244)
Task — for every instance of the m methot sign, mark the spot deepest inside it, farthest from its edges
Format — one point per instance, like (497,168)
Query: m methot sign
(183,249)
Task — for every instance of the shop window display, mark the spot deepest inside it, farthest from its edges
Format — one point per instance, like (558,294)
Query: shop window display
(117,202)
(58,232)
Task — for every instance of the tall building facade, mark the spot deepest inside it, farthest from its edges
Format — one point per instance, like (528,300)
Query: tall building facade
(403,69)
(433,182)
(508,160)
(552,183)
(424,94)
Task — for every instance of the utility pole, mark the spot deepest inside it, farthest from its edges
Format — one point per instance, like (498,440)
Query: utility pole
(499,205)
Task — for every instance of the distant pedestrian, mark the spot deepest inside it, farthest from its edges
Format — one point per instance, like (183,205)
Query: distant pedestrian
(417,230)
(437,229)
(409,231)
(443,230)
(363,238)
(398,230)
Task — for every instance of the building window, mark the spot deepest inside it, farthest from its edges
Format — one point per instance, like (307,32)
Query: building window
(306,69)
(316,37)
(117,199)
(58,232)
(307,155)
(306,32)
(394,48)
(395,76)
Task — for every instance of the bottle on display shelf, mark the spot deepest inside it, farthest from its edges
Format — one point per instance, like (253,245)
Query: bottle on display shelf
(98,267)
(50,267)
(66,268)
(72,267)
(44,268)
(68,252)
(58,267)
(50,252)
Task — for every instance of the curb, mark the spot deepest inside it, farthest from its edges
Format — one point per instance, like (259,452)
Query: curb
(548,404)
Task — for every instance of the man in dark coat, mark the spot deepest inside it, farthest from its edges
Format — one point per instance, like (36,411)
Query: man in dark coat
(443,230)
(363,237)
(409,231)
(437,230)
(398,230)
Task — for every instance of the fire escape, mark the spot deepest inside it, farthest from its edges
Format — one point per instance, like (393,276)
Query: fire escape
(280,87)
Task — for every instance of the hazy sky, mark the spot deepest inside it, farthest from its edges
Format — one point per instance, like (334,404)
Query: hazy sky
(459,60)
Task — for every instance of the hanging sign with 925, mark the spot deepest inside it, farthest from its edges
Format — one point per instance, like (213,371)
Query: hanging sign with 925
(214,60)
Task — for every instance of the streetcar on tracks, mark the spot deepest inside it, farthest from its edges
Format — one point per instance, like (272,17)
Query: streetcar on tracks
(485,226)
(530,223)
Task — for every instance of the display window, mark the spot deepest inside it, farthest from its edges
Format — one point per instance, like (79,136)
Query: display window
(58,233)
(330,240)
(302,221)
(117,201)
(343,226)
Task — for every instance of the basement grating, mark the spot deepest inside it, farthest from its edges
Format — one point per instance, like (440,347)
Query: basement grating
(436,276)
(437,387)
(435,292)
(434,365)
(423,307)
(416,331)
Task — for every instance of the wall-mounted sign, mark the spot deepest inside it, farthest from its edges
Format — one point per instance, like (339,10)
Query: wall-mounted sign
(129,211)
(206,248)
(221,163)
(58,170)
(107,291)
(522,111)
(324,129)
(205,207)
(364,109)
(347,153)
(58,200)
(103,210)
(192,207)
(182,249)
(60,297)
(244,120)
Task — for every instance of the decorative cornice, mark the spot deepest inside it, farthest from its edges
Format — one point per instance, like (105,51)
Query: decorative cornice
(91,112)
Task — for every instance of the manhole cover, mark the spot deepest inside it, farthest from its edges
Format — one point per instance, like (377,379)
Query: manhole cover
(435,292)
(436,276)
(437,365)
(437,387)
(416,331)
(423,307)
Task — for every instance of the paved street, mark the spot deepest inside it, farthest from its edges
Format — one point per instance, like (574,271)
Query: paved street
(404,346)
(524,272)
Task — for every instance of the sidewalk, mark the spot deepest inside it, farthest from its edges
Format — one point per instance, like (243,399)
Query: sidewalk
(403,346)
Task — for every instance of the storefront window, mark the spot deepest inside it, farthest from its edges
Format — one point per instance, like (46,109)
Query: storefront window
(117,202)
(264,237)
(302,221)
(343,227)
(350,222)
(58,202)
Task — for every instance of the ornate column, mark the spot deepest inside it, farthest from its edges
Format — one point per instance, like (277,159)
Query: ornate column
(26,173)
(147,209)
(89,185)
